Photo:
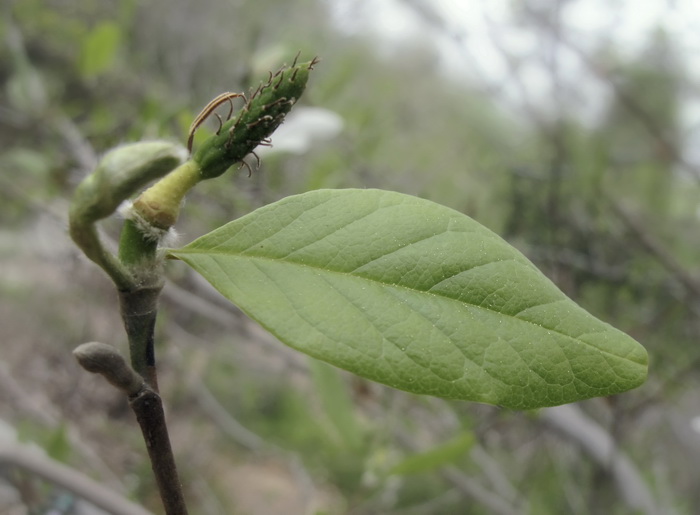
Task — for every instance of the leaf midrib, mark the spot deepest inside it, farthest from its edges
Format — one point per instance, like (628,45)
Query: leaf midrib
(370,279)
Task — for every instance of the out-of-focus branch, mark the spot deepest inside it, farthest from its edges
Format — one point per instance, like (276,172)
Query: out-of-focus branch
(570,421)
(496,475)
(34,408)
(626,99)
(15,454)
(468,486)
(37,100)
(205,305)
(502,502)
(492,500)
(654,247)
(230,426)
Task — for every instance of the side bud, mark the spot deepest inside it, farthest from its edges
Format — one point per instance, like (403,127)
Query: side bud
(122,172)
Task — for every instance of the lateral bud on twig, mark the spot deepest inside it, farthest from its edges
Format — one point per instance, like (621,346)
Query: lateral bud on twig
(100,358)
(122,172)
(147,405)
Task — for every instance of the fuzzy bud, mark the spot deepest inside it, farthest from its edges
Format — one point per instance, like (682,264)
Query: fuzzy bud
(100,358)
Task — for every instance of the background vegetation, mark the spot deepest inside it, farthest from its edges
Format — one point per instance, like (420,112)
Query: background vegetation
(588,169)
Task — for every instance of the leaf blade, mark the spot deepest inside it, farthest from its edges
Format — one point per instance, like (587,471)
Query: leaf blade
(416,296)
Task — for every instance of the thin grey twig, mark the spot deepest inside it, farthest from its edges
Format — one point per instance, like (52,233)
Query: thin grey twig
(597,443)
(657,249)
(18,455)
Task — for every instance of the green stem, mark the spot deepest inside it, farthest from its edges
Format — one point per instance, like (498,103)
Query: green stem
(139,304)
(139,309)
(139,280)
(88,239)
(136,250)
(120,173)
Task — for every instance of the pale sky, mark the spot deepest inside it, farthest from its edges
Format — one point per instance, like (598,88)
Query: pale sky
(475,30)
(624,20)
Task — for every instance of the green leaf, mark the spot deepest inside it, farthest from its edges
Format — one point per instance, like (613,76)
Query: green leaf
(99,49)
(436,457)
(414,295)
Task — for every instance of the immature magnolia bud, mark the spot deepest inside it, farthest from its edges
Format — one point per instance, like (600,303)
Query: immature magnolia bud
(261,115)
(120,173)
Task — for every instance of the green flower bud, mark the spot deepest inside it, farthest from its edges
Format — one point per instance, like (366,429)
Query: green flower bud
(159,205)
(261,115)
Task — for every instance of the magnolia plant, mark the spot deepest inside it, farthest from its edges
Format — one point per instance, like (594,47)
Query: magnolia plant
(393,288)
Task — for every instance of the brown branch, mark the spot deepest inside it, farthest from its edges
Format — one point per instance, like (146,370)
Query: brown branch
(147,405)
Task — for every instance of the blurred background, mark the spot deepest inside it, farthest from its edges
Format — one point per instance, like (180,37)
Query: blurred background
(569,127)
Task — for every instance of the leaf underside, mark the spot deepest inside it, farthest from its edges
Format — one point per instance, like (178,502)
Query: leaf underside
(416,296)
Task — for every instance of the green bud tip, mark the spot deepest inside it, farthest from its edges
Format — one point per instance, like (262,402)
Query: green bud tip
(263,112)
